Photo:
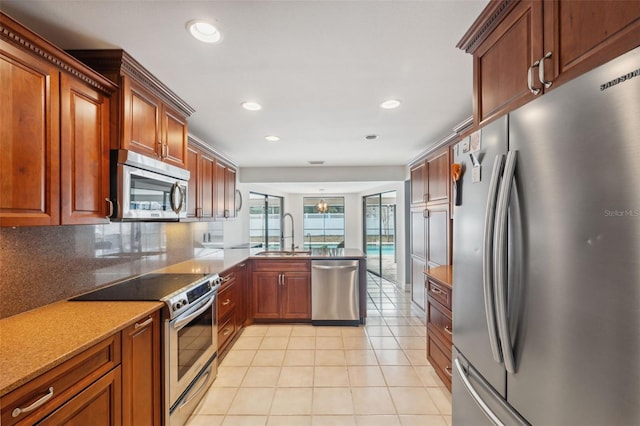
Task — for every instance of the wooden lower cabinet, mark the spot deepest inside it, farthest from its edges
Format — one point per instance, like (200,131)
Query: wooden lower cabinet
(115,382)
(141,379)
(439,328)
(228,306)
(97,405)
(281,290)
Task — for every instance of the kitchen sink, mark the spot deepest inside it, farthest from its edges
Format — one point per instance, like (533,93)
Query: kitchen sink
(279,253)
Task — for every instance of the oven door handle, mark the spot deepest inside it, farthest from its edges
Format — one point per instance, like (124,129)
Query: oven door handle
(184,321)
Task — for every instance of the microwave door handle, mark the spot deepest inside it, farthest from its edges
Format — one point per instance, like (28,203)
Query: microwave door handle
(175,206)
(182,322)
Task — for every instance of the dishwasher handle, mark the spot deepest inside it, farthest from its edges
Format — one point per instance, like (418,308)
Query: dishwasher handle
(334,267)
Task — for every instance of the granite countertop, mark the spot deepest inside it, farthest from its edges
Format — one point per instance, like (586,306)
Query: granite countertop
(35,341)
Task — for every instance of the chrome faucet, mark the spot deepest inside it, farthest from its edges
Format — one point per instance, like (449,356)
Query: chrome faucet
(282,237)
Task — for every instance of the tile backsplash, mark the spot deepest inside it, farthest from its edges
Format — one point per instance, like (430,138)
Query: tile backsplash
(41,265)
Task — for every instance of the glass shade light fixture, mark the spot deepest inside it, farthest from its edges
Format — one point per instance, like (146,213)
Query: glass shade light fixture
(322,206)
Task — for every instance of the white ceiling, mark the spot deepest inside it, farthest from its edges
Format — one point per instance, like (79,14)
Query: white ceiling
(319,68)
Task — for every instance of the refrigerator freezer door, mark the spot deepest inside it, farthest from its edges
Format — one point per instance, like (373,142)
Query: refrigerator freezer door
(477,403)
(470,320)
(577,342)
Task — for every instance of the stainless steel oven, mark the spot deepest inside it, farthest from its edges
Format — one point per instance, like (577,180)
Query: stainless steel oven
(143,188)
(190,357)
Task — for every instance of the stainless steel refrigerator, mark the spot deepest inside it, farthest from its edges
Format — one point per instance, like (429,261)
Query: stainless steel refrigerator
(546,262)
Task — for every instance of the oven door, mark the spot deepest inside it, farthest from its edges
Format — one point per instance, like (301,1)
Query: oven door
(143,194)
(191,341)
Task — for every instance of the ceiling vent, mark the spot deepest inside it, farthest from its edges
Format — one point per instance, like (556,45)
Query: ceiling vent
(316,162)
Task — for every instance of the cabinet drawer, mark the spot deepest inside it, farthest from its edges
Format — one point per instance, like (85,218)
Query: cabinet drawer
(62,383)
(227,300)
(440,358)
(439,319)
(282,265)
(226,331)
(439,292)
(228,277)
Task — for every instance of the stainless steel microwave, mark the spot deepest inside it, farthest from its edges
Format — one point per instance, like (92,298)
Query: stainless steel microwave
(143,188)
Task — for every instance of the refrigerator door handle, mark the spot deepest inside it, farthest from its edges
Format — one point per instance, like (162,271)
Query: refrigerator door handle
(500,258)
(474,394)
(487,258)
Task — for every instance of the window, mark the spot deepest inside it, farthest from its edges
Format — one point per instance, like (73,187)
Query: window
(323,230)
(265,215)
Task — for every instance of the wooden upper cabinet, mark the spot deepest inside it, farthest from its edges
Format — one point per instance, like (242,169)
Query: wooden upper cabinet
(438,177)
(141,118)
(195,188)
(230,192)
(503,58)
(29,139)
(584,34)
(418,176)
(150,118)
(84,153)
(54,132)
(522,49)
(220,191)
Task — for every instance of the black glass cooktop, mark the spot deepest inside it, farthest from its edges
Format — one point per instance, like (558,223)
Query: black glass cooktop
(146,287)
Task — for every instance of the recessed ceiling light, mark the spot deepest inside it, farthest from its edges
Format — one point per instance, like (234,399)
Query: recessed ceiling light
(251,106)
(371,137)
(204,31)
(390,104)
(272,138)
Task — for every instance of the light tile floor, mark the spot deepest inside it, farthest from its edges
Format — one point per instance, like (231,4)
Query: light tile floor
(378,374)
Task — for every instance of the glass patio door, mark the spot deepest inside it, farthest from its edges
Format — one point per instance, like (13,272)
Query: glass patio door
(265,216)
(380,234)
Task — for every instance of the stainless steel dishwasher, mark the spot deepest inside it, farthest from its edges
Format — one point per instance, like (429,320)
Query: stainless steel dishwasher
(335,293)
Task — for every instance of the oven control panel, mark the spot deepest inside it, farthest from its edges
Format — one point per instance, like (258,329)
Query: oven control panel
(181,300)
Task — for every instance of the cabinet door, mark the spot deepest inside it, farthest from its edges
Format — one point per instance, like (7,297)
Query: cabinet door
(141,120)
(584,34)
(295,296)
(219,190)
(208,200)
(418,175)
(174,137)
(29,140)
(97,405)
(141,382)
(265,288)
(502,62)
(194,192)
(438,232)
(84,145)
(242,295)
(438,177)
(417,281)
(230,193)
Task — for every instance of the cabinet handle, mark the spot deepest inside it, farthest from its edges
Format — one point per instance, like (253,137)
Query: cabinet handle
(226,331)
(166,152)
(110,207)
(226,278)
(425,213)
(161,146)
(532,89)
(16,412)
(448,371)
(143,324)
(448,330)
(437,291)
(226,302)
(546,83)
